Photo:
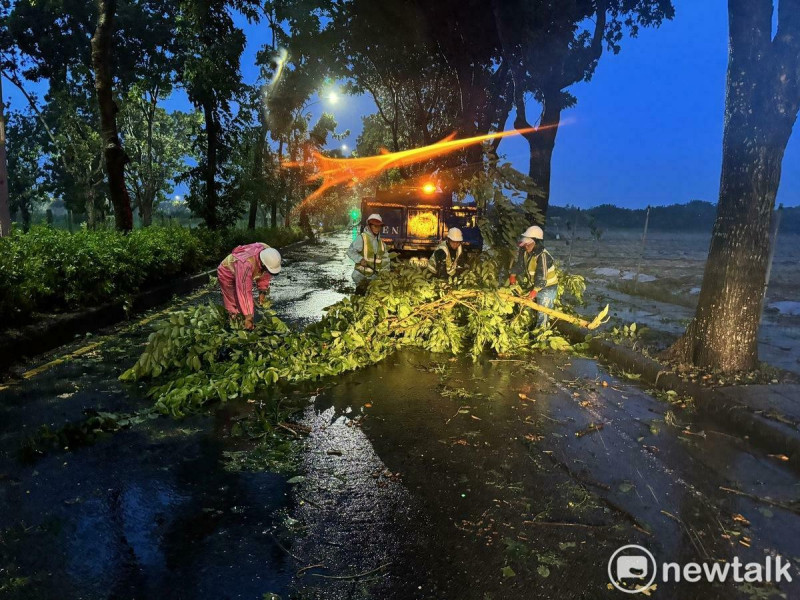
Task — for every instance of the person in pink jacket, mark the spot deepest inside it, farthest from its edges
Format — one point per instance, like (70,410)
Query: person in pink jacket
(244,265)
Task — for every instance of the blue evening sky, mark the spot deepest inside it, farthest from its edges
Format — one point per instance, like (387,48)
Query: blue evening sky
(647,128)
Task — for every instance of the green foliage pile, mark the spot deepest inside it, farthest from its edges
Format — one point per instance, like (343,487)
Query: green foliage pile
(53,270)
(196,358)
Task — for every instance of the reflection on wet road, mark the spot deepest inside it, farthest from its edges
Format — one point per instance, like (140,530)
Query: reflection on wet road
(421,477)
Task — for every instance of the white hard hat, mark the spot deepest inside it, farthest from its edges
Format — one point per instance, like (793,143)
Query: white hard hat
(375,217)
(454,233)
(534,232)
(271,259)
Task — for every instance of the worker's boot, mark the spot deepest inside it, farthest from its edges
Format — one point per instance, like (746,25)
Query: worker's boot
(361,287)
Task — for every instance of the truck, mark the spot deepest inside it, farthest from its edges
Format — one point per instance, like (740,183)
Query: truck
(415,220)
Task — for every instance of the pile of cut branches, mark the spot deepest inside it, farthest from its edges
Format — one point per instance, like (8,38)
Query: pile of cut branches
(194,357)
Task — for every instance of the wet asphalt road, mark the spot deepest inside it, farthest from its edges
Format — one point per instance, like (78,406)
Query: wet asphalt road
(421,477)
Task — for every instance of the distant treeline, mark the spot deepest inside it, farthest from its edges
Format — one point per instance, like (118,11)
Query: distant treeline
(697,215)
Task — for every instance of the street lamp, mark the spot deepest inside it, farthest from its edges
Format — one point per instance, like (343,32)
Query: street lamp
(331,97)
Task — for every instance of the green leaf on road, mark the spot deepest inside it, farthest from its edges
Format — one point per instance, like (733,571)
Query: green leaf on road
(625,487)
(543,571)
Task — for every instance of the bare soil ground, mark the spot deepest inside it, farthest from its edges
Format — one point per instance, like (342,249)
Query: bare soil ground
(671,272)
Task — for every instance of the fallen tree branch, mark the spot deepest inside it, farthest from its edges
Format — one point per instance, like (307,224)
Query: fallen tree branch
(351,577)
(763,499)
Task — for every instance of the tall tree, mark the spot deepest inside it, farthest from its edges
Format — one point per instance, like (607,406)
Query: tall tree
(25,181)
(548,48)
(386,54)
(54,39)
(6,45)
(5,211)
(75,154)
(761,106)
(462,34)
(115,157)
(158,143)
(302,69)
(212,46)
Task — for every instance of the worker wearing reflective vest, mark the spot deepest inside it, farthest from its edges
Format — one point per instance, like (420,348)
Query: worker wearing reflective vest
(368,252)
(536,270)
(447,260)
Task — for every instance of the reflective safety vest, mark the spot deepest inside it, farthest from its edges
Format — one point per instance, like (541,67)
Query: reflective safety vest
(373,259)
(451,263)
(548,268)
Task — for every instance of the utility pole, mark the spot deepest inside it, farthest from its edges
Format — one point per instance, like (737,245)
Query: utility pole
(641,252)
(5,209)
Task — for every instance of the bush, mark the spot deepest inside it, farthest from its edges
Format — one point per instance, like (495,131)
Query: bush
(52,270)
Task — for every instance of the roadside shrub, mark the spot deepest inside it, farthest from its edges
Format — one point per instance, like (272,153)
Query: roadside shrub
(51,270)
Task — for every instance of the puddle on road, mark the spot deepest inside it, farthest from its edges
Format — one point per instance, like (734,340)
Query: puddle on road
(437,480)
(422,477)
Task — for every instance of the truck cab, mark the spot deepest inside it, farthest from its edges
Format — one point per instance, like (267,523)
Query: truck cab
(416,221)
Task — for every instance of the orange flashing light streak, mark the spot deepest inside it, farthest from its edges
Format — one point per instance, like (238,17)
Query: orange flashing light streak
(336,171)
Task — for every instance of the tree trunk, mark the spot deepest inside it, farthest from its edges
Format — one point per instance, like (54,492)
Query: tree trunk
(25,214)
(146,210)
(283,175)
(210,212)
(5,210)
(115,157)
(258,171)
(251,218)
(305,223)
(761,107)
(91,210)
(541,143)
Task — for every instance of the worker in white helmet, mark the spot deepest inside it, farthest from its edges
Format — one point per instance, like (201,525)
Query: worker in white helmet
(244,265)
(369,253)
(448,259)
(535,270)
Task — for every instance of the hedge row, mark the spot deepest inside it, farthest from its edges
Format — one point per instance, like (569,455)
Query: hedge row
(52,270)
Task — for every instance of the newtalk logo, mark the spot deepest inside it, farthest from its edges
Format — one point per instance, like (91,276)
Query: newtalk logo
(633,569)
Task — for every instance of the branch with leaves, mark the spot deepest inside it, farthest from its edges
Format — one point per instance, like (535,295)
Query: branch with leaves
(194,357)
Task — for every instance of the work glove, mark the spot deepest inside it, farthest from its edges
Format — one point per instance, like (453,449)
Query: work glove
(532,294)
(248,322)
(262,298)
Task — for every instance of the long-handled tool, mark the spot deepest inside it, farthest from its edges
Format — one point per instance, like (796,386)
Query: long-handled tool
(601,318)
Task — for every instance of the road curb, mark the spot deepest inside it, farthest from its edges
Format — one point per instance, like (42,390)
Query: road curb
(770,435)
(31,340)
